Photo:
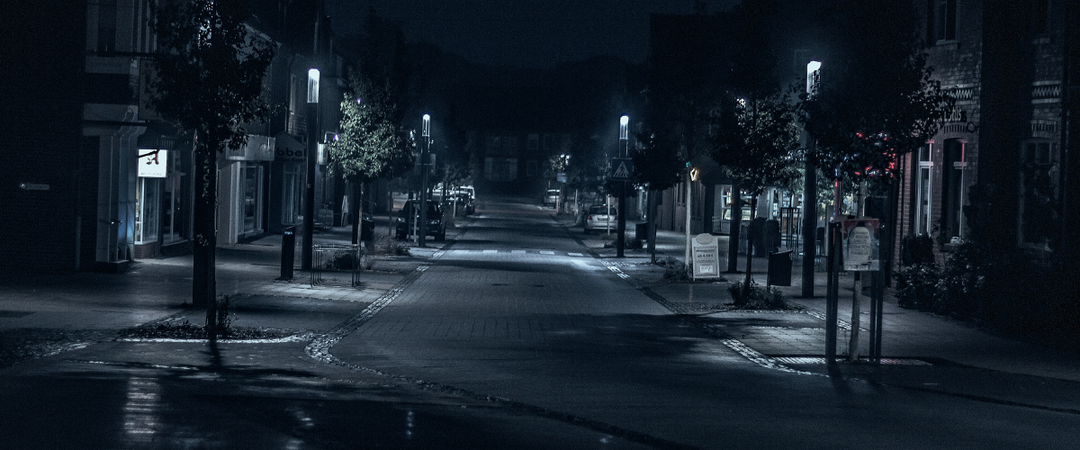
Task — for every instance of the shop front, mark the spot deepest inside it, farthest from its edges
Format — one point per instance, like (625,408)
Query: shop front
(242,181)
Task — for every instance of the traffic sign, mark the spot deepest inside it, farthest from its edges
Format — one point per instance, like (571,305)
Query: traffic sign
(622,169)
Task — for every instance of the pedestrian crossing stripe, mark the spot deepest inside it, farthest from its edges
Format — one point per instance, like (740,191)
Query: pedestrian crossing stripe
(516,252)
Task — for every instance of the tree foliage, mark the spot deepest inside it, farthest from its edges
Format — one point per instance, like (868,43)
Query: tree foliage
(209,70)
(654,163)
(753,139)
(876,99)
(370,143)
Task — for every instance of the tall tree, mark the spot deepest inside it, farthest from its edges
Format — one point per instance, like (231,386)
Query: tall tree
(371,144)
(754,77)
(658,167)
(876,100)
(208,78)
(752,141)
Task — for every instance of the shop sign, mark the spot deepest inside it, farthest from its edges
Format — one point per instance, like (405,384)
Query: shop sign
(861,245)
(258,148)
(153,162)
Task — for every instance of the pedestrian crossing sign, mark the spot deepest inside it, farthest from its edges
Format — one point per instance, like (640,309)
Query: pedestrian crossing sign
(621,168)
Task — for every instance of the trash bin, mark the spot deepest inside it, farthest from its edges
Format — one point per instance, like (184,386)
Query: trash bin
(779,269)
(288,252)
(641,230)
(367,228)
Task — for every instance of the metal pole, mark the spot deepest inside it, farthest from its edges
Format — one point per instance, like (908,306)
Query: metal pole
(809,225)
(624,123)
(688,244)
(832,299)
(312,149)
(832,295)
(421,239)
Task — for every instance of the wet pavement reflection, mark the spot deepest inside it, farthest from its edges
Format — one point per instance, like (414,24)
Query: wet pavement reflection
(116,404)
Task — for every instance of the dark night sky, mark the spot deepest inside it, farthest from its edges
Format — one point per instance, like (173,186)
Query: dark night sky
(528,33)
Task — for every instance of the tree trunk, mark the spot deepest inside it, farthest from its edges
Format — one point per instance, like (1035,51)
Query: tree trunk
(651,223)
(203,285)
(750,246)
(355,210)
(734,230)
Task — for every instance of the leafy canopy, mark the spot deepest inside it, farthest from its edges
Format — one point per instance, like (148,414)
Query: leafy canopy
(752,140)
(876,99)
(370,144)
(209,70)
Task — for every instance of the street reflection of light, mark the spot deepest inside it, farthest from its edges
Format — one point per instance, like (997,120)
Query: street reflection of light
(409,424)
(141,421)
(305,420)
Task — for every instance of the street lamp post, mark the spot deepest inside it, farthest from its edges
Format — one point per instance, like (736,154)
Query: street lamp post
(809,216)
(624,137)
(426,134)
(312,149)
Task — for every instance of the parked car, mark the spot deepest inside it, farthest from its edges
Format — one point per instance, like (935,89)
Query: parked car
(464,203)
(409,216)
(467,191)
(598,218)
(551,196)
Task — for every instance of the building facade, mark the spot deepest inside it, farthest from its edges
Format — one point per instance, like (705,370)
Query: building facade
(95,179)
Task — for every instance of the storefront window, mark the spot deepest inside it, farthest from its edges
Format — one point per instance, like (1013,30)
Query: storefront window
(176,201)
(290,194)
(147,202)
(250,205)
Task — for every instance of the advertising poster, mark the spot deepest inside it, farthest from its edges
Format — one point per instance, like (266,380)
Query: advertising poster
(861,245)
(706,256)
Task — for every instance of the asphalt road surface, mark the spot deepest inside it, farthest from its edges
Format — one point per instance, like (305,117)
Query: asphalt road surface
(515,335)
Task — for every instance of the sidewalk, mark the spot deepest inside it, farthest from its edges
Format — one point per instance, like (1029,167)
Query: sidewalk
(790,337)
(48,314)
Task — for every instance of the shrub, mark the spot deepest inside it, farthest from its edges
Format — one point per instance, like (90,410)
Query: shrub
(917,286)
(961,282)
(675,270)
(756,297)
(916,249)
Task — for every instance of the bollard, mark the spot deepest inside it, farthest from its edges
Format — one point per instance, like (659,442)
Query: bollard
(288,252)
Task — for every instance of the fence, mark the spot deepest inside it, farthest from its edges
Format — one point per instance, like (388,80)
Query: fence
(335,264)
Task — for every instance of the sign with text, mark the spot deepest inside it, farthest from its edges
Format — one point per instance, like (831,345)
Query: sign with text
(706,254)
(152,163)
(861,245)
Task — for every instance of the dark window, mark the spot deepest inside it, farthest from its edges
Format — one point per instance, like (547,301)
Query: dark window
(1040,16)
(1039,194)
(952,193)
(942,20)
(106,39)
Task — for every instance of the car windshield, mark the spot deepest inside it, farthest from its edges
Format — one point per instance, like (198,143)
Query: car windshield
(601,210)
